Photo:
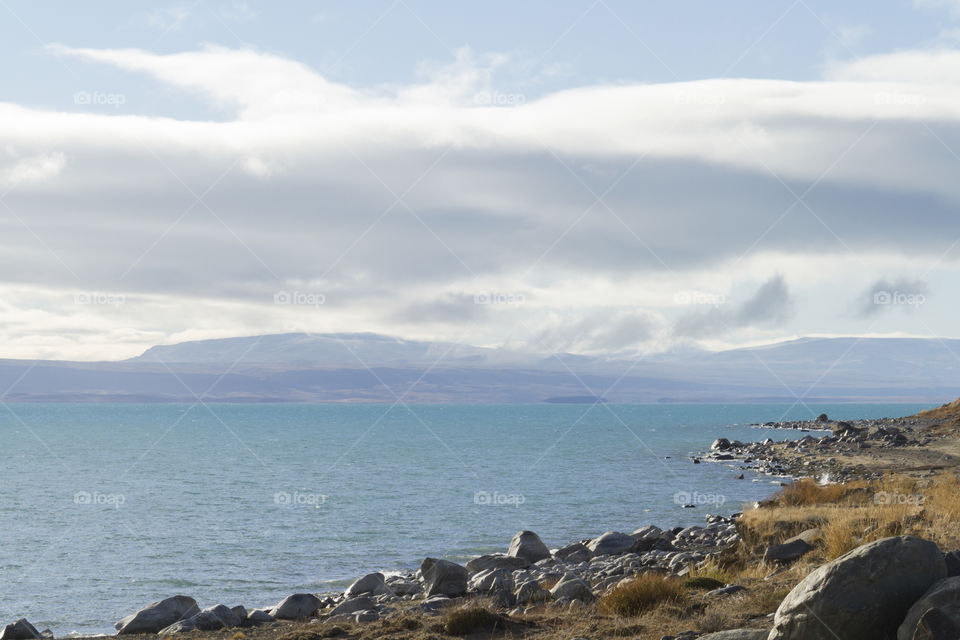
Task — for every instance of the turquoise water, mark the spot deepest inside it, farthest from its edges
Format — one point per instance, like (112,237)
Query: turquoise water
(106,507)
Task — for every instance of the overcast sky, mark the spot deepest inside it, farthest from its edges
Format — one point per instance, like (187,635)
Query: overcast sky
(597,177)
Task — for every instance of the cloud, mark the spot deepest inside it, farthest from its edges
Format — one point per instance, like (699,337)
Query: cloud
(886,295)
(31,169)
(386,199)
(770,305)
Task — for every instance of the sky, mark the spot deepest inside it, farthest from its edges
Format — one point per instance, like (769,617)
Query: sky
(599,177)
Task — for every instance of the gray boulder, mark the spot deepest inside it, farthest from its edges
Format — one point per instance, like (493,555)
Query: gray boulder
(530,592)
(258,618)
(576,552)
(490,580)
(443,578)
(943,598)
(158,615)
(787,552)
(20,630)
(299,606)
(862,595)
(611,543)
(572,588)
(529,546)
(497,561)
(372,583)
(720,444)
(353,605)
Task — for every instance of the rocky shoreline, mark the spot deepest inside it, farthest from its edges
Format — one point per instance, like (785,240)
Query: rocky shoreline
(528,577)
(843,450)
(579,572)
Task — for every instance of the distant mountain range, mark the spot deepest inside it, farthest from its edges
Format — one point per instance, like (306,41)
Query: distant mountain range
(376,368)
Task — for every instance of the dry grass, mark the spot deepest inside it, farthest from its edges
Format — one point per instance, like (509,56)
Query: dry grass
(859,512)
(643,594)
(468,620)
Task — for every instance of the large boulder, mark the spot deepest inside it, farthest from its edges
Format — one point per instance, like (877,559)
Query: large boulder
(611,543)
(443,578)
(863,594)
(943,598)
(572,587)
(372,583)
(158,615)
(529,546)
(20,630)
(299,606)
(497,561)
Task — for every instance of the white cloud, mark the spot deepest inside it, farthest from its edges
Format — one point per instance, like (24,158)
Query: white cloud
(31,169)
(299,185)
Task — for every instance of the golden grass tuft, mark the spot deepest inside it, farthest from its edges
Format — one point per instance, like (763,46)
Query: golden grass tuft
(643,594)
(464,621)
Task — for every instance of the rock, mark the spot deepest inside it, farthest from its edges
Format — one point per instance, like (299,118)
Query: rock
(786,552)
(158,615)
(529,546)
(573,553)
(935,625)
(258,618)
(403,587)
(352,605)
(822,418)
(737,634)
(497,561)
(726,591)
(444,578)
(372,583)
(944,597)
(863,594)
(952,558)
(241,612)
(433,606)
(720,444)
(20,630)
(366,616)
(490,580)
(299,606)
(530,592)
(573,588)
(210,619)
(611,543)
